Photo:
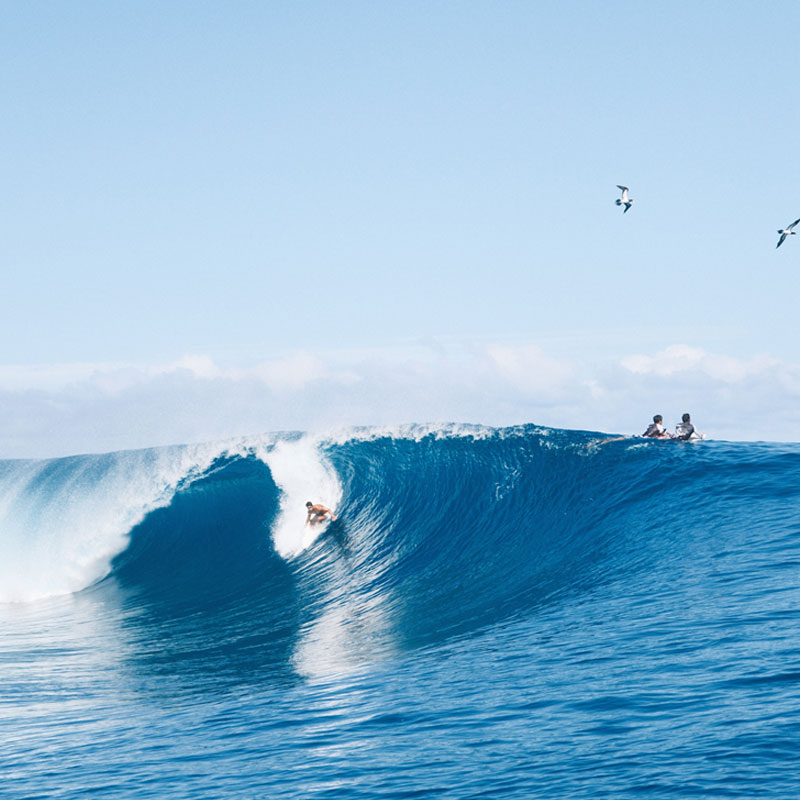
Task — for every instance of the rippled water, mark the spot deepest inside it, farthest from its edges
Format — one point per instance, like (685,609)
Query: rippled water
(515,613)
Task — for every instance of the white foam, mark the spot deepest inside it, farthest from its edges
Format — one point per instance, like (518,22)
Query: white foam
(412,432)
(302,473)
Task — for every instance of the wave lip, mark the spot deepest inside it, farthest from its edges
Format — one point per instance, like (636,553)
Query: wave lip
(63,520)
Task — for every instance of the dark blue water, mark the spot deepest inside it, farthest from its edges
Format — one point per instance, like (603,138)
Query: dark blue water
(496,613)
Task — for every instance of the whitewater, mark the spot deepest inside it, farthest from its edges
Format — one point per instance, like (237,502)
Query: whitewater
(513,613)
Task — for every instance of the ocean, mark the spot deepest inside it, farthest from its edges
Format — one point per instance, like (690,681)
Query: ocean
(496,613)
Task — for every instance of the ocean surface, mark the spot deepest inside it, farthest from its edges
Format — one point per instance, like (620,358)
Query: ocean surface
(497,613)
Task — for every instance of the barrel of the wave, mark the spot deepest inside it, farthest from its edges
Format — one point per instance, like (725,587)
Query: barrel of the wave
(62,521)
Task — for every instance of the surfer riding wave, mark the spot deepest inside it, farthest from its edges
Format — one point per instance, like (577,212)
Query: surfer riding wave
(318,513)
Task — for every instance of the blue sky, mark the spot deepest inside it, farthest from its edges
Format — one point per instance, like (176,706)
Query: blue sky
(366,184)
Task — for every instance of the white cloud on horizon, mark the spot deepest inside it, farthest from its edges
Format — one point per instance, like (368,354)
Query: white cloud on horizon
(69,408)
(682,358)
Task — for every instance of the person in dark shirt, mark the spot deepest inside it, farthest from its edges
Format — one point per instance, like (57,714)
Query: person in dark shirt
(656,430)
(684,429)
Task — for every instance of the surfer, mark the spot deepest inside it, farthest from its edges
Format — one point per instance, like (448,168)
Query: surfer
(656,430)
(684,429)
(317,513)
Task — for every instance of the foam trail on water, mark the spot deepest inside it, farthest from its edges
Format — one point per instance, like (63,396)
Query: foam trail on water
(353,631)
(301,473)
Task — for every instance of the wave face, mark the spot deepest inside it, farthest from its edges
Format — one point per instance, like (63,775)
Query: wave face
(519,612)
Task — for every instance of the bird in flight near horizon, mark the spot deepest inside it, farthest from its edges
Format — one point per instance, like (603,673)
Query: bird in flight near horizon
(624,200)
(787,231)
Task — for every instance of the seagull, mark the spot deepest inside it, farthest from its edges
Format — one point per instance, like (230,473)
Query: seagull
(625,200)
(787,231)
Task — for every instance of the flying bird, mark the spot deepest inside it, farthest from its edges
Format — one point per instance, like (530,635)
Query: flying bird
(624,200)
(787,231)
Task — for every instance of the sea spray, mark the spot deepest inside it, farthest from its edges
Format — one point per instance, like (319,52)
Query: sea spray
(302,473)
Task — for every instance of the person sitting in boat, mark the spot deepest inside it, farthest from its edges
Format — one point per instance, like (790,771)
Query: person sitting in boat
(684,429)
(656,430)
(318,513)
